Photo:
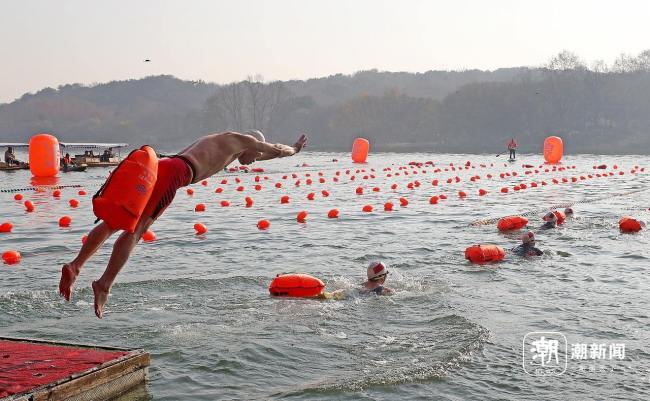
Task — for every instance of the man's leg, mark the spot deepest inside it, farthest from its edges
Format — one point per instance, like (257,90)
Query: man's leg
(71,270)
(121,251)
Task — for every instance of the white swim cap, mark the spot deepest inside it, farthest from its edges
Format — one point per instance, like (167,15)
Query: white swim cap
(376,270)
(551,217)
(257,134)
(528,237)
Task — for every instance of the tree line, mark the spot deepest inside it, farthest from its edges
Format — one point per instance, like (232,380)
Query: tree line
(596,108)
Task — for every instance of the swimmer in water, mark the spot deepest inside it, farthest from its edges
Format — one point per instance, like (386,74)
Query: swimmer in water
(527,247)
(551,221)
(568,212)
(377,273)
(205,157)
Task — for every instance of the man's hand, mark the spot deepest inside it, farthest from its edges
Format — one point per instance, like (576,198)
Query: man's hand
(300,143)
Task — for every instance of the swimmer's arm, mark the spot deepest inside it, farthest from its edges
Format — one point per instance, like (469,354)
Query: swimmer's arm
(272,151)
(387,291)
(337,295)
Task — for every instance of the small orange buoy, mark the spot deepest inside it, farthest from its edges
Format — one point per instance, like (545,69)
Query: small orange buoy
(204,183)
(218,190)
(278,185)
(263,224)
(325,194)
(301,217)
(462,194)
(190,191)
(11,257)
(29,206)
(629,224)
(403,202)
(200,207)
(149,236)
(296,285)
(333,214)
(359,191)
(388,207)
(240,188)
(484,253)
(394,186)
(56,194)
(310,196)
(284,199)
(81,192)
(225,203)
(73,203)
(482,192)
(249,201)
(367,209)
(6,227)
(512,223)
(200,229)
(65,221)
(433,200)
(258,187)
(18,197)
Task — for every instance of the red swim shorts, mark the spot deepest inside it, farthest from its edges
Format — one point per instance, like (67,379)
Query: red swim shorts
(173,173)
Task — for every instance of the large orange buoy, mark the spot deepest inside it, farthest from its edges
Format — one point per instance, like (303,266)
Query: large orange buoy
(44,155)
(553,149)
(296,285)
(263,224)
(301,217)
(484,253)
(629,224)
(123,197)
(360,149)
(512,223)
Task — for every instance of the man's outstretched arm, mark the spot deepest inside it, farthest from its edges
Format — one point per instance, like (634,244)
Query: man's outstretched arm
(272,151)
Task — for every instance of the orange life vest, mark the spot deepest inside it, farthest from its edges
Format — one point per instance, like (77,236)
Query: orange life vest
(123,197)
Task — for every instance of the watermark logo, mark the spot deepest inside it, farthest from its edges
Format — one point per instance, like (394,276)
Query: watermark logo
(548,353)
(545,353)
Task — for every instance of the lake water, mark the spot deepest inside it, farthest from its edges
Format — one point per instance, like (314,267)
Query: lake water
(200,304)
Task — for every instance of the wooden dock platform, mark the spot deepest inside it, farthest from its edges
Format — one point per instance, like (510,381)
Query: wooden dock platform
(35,370)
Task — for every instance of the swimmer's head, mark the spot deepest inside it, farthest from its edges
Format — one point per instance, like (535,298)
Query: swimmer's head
(568,211)
(377,271)
(257,134)
(528,238)
(550,217)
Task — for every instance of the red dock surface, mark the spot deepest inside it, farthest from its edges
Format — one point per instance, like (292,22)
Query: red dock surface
(62,371)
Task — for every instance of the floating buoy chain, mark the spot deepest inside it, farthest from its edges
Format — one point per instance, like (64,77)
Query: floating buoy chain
(44,187)
(558,206)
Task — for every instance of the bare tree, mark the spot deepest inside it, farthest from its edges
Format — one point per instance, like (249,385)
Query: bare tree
(566,61)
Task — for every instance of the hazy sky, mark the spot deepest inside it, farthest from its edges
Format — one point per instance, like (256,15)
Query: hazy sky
(53,42)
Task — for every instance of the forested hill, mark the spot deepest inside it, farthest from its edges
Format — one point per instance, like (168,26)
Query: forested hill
(597,109)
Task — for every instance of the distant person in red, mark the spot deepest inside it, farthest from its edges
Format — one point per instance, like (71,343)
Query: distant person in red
(512,147)
(205,157)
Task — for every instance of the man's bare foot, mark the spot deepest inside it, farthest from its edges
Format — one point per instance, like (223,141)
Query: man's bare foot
(68,277)
(101,296)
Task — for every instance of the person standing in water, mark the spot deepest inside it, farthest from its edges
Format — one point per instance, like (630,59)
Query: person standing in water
(200,160)
(527,247)
(512,147)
